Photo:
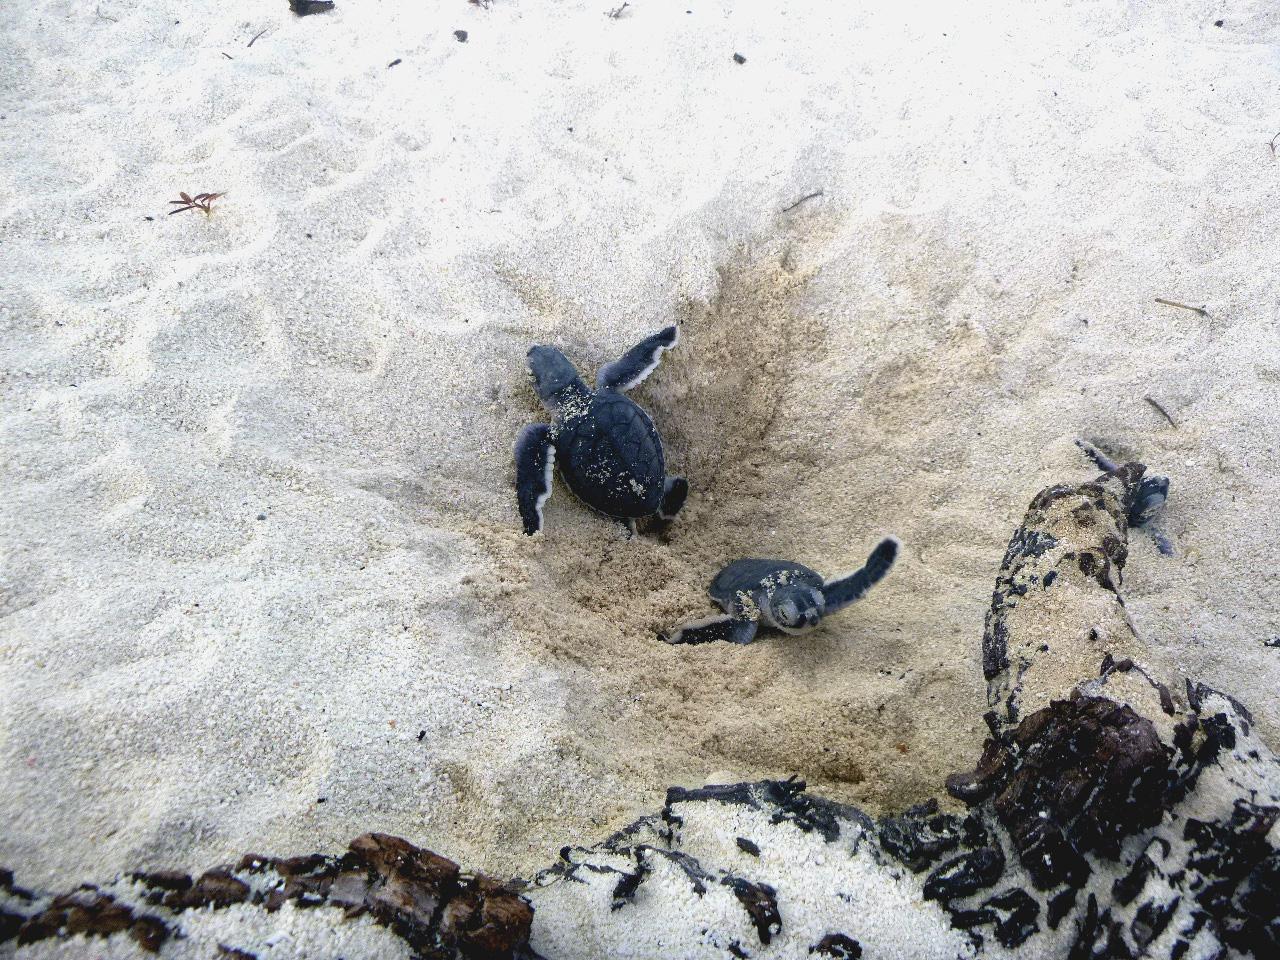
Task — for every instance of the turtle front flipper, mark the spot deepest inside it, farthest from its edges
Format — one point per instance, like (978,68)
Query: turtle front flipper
(632,367)
(844,591)
(535,461)
(1105,463)
(673,497)
(712,629)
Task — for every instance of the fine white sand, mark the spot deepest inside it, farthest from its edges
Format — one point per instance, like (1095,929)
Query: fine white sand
(263,582)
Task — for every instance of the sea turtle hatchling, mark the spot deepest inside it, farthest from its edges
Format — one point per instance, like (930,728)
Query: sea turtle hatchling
(608,451)
(780,594)
(1151,495)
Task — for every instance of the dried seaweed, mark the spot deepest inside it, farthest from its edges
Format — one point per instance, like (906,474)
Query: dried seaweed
(201,201)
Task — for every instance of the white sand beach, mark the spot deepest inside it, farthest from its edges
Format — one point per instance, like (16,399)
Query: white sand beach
(264,585)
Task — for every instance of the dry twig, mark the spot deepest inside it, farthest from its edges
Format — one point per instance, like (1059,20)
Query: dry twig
(1183,306)
(807,196)
(1163,412)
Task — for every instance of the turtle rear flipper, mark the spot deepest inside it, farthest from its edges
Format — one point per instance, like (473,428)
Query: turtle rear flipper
(673,497)
(845,590)
(712,629)
(535,462)
(632,367)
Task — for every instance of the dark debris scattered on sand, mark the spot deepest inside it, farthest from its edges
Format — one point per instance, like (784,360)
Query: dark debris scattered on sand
(306,7)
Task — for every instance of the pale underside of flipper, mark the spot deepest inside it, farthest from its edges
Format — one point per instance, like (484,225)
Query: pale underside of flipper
(673,497)
(630,369)
(535,464)
(721,627)
(843,591)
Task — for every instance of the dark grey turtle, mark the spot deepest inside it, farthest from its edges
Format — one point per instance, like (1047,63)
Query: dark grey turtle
(609,453)
(1153,491)
(780,594)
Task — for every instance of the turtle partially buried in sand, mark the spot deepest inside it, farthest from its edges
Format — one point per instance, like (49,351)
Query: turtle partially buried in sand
(780,594)
(607,448)
(1150,496)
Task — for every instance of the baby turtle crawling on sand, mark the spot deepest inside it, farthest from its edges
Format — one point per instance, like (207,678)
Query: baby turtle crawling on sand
(785,595)
(1153,491)
(609,453)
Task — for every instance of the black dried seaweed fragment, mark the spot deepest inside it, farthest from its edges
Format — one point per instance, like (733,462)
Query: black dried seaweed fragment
(966,874)
(214,888)
(624,890)
(1098,936)
(972,788)
(1125,889)
(1255,922)
(423,897)
(460,36)
(1150,920)
(1226,854)
(10,924)
(91,913)
(921,835)
(784,799)
(305,8)
(8,886)
(1197,693)
(1060,905)
(1016,913)
(698,877)
(838,946)
(1087,773)
(162,879)
(761,903)
(747,846)
(739,58)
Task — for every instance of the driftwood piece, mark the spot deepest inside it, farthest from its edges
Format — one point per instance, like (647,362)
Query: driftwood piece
(1113,813)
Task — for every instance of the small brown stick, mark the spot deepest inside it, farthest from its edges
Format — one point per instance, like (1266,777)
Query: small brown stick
(227,55)
(616,14)
(1183,306)
(1272,144)
(808,196)
(256,36)
(1163,412)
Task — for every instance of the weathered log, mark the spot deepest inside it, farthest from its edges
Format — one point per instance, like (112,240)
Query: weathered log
(1113,813)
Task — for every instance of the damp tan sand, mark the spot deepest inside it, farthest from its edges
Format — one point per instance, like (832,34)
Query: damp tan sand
(264,585)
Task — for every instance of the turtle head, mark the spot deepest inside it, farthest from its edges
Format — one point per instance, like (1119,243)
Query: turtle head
(796,608)
(552,373)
